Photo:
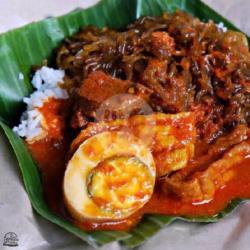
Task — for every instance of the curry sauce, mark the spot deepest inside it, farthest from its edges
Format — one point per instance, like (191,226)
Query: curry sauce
(52,166)
(51,154)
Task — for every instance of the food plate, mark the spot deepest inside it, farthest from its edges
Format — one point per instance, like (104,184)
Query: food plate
(17,55)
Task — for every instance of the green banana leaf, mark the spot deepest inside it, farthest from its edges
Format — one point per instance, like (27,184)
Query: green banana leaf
(30,45)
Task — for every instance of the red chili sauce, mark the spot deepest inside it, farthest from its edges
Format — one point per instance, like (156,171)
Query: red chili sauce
(51,155)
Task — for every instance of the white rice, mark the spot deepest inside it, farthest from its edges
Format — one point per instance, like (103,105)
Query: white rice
(222,26)
(48,83)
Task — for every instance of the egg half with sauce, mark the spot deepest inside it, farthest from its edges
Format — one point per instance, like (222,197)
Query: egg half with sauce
(110,176)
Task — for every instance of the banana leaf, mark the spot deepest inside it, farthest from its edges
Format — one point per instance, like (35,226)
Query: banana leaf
(30,45)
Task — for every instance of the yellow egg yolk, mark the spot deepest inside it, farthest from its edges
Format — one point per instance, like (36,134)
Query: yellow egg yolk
(120,184)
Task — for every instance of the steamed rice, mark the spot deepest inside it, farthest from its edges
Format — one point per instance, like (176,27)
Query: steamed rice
(48,83)
(222,26)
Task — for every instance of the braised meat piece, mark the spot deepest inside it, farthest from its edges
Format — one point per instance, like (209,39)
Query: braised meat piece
(99,87)
(102,97)
(210,167)
(201,186)
(163,45)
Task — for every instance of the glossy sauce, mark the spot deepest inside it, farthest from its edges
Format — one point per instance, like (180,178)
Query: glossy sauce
(51,156)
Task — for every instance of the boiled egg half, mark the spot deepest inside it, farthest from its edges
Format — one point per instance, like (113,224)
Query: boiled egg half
(110,176)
